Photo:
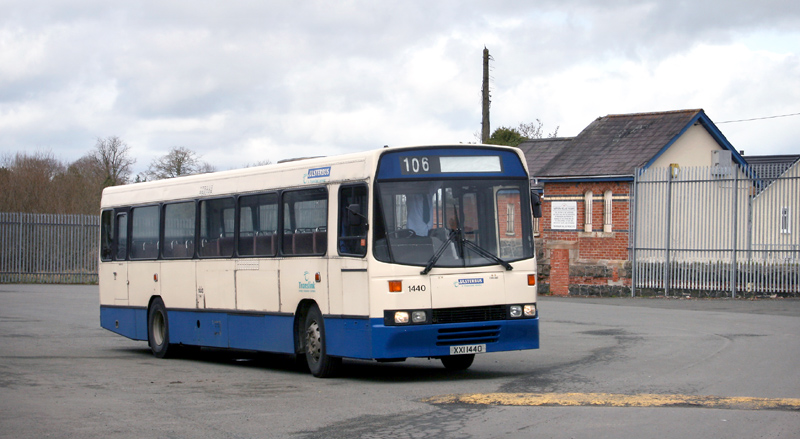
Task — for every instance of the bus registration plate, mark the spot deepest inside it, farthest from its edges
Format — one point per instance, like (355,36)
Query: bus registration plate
(468,349)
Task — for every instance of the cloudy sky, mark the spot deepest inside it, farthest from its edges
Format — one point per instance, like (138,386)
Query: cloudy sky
(245,81)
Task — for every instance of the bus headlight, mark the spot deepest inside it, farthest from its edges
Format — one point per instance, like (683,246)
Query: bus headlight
(526,311)
(393,317)
(529,310)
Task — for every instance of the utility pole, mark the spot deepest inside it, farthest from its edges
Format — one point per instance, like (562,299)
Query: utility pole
(485,132)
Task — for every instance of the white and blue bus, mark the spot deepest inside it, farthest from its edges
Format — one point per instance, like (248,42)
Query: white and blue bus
(384,255)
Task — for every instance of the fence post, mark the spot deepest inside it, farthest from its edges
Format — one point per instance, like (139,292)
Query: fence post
(20,247)
(734,268)
(632,211)
(669,237)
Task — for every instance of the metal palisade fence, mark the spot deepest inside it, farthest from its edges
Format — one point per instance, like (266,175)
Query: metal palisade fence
(46,248)
(717,231)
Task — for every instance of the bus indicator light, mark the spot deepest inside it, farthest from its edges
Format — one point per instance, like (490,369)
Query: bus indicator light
(395,286)
(531,280)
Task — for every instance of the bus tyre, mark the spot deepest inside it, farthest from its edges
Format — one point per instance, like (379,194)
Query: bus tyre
(158,329)
(315,347)
(458,362)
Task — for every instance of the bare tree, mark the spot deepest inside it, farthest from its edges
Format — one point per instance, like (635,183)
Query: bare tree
(113,158)
(534,130)
(177,162)
(28,183)
(81,186)
(259,163)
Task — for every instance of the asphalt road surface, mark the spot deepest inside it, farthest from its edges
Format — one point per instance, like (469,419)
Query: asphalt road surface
(621,368)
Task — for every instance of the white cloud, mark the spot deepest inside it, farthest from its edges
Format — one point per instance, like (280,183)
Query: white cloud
(245,82)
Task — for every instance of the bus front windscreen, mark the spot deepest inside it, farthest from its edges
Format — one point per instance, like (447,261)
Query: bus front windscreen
(452,223)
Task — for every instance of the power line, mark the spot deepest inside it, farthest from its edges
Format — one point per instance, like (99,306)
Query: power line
(759,118)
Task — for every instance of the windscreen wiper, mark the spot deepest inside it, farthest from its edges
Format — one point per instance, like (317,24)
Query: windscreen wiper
(481,251)
(452,238)
(456,235)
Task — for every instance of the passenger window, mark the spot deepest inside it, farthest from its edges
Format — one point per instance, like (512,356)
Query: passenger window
(216,228)
(144,234)
(106,234)
(179,221)
(258,225)
(305,214)
(352,239)
(122,237)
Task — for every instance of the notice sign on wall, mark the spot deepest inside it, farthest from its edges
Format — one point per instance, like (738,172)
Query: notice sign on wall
(564,215)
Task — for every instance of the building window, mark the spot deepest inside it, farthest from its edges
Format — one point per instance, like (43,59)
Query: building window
(785,220)
(509,219)
(608,212)
(587,211)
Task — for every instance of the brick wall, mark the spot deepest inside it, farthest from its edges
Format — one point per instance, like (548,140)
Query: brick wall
(599,253)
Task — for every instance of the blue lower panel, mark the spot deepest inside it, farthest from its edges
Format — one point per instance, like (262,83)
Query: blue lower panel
(130,322)
(435,340)
(362,338)
(273,333)
(346,337)
(262,333)
(239,331)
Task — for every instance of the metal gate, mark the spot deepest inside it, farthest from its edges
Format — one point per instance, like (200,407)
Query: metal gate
(717,231)
(44,248)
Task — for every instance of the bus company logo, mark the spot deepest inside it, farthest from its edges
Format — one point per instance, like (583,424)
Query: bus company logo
(307,286)
(317,175)
(469,282)
(319,172)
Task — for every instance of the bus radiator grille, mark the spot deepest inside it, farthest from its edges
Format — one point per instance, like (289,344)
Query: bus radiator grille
(472,314)
(471,335)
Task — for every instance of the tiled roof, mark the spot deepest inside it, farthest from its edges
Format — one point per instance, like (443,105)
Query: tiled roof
(612,145)
(770,167)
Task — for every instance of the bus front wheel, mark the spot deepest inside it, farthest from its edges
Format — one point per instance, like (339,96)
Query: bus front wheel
(458,362)
(158,329)
(319,362)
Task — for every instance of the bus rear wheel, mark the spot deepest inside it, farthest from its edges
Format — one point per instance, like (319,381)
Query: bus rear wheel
(319,362)
(458,362)
(158,329)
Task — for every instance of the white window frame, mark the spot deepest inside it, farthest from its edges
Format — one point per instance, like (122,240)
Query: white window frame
(510,212)
(785,220)
(587,227)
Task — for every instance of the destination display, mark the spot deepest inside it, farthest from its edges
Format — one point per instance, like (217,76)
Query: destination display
(449,164)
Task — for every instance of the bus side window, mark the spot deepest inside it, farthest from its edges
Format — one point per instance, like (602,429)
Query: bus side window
(122,237)
(305,230)
(352,239)
(144,233)
(106,234)
(216,228)
(179,219)
(258,225)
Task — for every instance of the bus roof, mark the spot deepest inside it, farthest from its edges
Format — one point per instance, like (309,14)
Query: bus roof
(358,166)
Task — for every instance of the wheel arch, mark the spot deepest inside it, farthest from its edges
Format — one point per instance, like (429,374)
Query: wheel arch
(153,298)
(299,320)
